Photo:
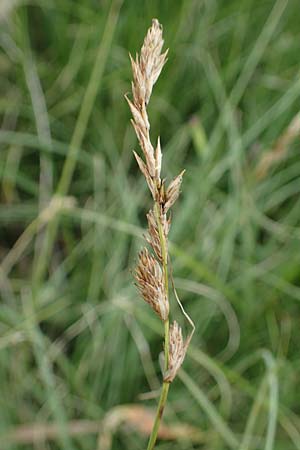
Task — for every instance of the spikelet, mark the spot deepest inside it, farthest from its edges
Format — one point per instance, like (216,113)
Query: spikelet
(144,169)
(173,192)
(149,280)
(153,238)
(177,351)
(146,68)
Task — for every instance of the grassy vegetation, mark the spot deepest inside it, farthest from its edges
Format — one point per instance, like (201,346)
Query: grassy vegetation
(76,341)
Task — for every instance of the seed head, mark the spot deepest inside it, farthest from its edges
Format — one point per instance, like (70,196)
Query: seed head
(173,191)
(153,237)
(149,279)
(146,68)
(177,350)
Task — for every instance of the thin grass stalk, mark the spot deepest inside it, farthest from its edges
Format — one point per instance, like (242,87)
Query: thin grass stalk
(158,415)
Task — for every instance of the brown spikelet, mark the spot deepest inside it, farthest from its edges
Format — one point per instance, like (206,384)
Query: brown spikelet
(173,191)
(149,279)
(146,69)
(177,352)
(146,147)
(166,222)
(151,60)
(153,235)
(144,169)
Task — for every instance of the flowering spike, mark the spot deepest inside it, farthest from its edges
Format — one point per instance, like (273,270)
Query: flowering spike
(177,352)
(153,239)
(149,278)
(173,191)
(152,273)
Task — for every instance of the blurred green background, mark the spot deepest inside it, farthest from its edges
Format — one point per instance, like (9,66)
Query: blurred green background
(76,341)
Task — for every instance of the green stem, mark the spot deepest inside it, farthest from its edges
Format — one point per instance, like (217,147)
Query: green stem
(158,416)
(166,385)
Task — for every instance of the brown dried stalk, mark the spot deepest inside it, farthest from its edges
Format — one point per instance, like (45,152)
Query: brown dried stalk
(279,150)
(151,274)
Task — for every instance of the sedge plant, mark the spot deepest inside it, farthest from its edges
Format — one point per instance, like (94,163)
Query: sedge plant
(152,272)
